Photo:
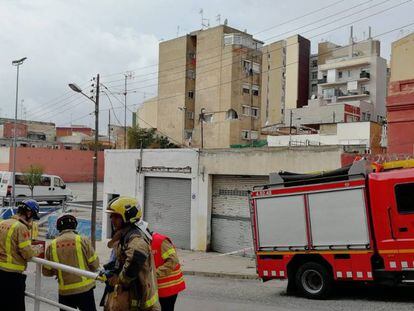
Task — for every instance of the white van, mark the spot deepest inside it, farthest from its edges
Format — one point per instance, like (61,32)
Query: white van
(51,188)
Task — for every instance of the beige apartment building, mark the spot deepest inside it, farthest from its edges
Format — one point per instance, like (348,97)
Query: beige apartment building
(285,78)
(209,89)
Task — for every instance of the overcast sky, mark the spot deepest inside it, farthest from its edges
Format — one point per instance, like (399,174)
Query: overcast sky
(72,41)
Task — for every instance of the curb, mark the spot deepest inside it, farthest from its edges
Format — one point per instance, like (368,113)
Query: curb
(223,275)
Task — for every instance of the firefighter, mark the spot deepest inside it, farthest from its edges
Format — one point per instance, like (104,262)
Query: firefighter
(69,248)
(169,275)
(15,251)
(132,280)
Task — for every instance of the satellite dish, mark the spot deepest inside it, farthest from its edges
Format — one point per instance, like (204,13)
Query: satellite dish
(313,96)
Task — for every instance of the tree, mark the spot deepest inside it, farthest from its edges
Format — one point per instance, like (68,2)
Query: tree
(147,139)
(33,176)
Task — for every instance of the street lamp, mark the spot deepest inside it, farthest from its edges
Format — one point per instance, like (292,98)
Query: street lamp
(16,63)
(77,89)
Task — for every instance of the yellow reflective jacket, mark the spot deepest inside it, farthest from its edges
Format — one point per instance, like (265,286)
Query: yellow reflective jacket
(69,248)
(142,285)
(15,244)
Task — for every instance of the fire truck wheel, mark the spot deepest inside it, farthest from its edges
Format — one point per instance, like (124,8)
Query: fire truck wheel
(314,280)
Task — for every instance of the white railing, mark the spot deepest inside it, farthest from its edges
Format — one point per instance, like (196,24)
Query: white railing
(38,282)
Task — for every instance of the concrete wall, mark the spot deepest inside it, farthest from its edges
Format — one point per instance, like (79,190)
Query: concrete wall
(121,175)
(147,114)
(402,60)
(71,165)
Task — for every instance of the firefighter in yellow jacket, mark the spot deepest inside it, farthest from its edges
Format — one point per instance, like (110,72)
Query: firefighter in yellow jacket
(69,248)
(133,284)
(15,251)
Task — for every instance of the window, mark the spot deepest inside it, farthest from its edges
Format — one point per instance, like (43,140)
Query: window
(339,74)
(191,55)
(368,116)
(245,134)
(246,65)
(404,195)
(208,117)
(191,94)
(45,181)
(246,89)
(246,110)
(56,182)
(190,74)
(364,115)
(188,134)
(19,180)
(349,73)
(231,114)
(314,88)
(255,90)
(255,112)
(314,75)
(256,68)
(314,63)
(190,115)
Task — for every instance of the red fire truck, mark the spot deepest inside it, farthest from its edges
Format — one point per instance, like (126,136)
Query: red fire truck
(352,224)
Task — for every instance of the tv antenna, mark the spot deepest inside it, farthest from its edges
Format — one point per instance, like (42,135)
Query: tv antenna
(205,23)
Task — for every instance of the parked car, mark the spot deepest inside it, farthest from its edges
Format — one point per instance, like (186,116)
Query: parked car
(51,189)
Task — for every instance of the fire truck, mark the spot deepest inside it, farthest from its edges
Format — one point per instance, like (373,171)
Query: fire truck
(353,224)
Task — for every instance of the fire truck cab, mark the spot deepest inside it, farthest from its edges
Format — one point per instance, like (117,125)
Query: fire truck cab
(351,224)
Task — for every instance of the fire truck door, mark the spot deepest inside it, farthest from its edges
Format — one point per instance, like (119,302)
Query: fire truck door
(402,214)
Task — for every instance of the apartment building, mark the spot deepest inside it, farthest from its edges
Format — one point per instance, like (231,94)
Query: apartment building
(209,88)
(355,74)
(313,76)
(285,78)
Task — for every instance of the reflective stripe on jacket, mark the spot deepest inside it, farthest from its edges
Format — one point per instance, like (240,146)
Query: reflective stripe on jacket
(71,249)
(136,276)
(15,245)
(170,278)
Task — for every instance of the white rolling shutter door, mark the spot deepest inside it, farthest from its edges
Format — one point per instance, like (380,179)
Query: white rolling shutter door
(167,208)
(230,219)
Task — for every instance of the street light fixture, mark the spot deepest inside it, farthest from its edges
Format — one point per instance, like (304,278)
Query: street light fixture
(77,89)
(16,63)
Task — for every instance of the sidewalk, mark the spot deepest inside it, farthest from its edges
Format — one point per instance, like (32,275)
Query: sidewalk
(204,264)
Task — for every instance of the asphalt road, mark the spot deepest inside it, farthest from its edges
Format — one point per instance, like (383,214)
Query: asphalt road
(245,295)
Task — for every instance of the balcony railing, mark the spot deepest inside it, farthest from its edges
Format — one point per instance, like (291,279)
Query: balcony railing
(364,74)
(323,80)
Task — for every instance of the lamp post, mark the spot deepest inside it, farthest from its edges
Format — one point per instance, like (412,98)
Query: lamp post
(77,89)
(16,63)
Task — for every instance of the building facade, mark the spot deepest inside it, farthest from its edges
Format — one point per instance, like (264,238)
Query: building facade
(285,78)
(200,197)
(400,100)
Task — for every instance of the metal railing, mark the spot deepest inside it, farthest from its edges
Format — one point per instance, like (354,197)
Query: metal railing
(38,282)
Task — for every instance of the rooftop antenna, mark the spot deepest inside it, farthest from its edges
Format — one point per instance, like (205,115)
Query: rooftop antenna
(369,33)
(205,23)
(226,22)
(351,42)
(218,18)
(178,30)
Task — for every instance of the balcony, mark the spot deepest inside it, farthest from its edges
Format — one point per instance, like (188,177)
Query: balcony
(364,75)
(323,80)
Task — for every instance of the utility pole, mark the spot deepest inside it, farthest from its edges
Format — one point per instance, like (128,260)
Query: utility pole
(109,127)
(290,127)
(202,118)
(128,75)
(95,166)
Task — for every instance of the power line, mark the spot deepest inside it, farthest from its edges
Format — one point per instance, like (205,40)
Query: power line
(272,27)
(207,64)
(279,48)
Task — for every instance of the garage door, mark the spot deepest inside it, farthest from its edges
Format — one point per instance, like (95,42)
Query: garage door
(230,219)
(167,208)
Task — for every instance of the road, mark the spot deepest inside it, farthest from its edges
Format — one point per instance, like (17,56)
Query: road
(245,295)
